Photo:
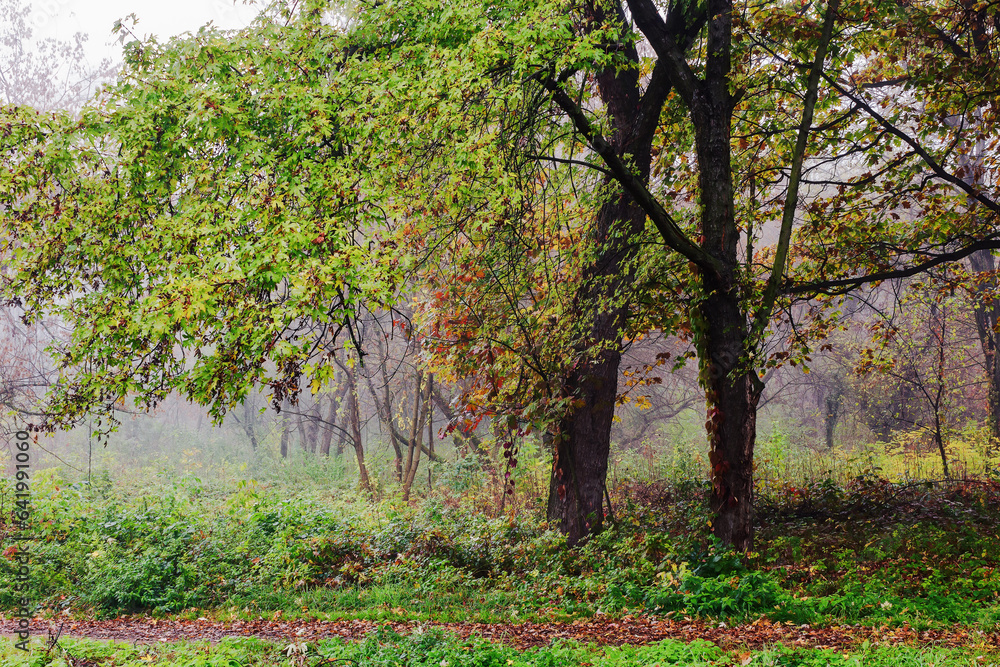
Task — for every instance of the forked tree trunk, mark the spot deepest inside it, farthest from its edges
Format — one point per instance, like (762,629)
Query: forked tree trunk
(421,404)
(337,404)
(385,410)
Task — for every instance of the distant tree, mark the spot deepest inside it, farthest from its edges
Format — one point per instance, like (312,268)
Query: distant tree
(44,74)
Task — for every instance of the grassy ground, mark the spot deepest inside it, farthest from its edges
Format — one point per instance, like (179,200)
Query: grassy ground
(875,548)
(435,649)
(870,551)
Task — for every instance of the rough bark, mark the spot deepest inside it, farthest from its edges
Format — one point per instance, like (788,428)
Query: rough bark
(987,312)
(583,442)
(732,390)
(580,464)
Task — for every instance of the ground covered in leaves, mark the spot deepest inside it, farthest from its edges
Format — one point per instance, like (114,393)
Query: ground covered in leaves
(610,632)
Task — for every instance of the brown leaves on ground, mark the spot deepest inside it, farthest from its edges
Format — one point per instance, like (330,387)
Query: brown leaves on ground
(616,632)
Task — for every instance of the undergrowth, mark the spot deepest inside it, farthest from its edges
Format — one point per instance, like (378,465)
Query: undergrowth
(869,551)
(437,649)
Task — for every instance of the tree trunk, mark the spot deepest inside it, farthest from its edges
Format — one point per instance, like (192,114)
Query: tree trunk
(583,441)
(832,416)
(331,418)
(582,447)
(312,425)
(732,387)
(430,431)
(249,426)
(338,405)
(421,402)
(385,410)
(300,423)
(355,419)
(732,395)
(987,312)
(284,429)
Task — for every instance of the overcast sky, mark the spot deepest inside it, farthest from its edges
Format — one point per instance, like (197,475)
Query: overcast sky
(163,18)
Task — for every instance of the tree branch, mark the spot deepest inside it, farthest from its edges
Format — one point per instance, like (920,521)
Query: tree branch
(763,315)
(845,285)
(938,170)
(647,18)
(671,232)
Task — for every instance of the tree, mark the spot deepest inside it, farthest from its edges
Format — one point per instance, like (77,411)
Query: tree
(618,191)
(604,65)
(202,227)
(923,364)
(753,84)
(44,74)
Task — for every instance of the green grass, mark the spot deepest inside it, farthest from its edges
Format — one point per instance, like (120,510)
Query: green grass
(437,649)
(869,551)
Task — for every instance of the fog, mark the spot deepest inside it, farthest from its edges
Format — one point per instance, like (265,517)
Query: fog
(910,387)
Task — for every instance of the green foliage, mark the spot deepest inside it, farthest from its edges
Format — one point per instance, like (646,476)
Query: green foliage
(433,648)
(870,552)
(220,172)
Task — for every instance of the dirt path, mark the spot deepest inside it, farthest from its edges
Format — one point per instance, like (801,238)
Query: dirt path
(628,630)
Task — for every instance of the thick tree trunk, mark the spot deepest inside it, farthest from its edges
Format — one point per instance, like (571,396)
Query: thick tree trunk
(732,394)
(580,464)
(732,387)
(987,312)
(583,443)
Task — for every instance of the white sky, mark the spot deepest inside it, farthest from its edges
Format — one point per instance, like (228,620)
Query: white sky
(163,18)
